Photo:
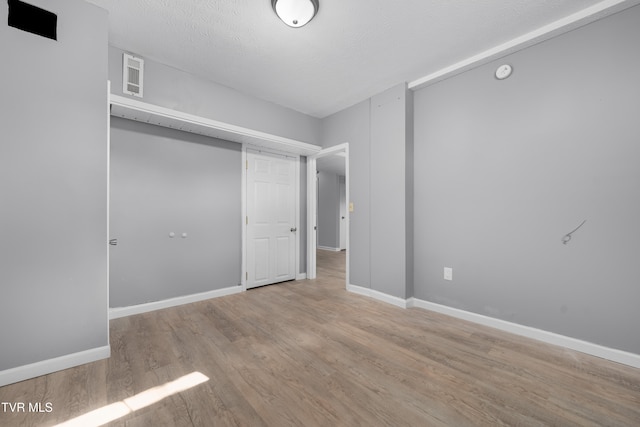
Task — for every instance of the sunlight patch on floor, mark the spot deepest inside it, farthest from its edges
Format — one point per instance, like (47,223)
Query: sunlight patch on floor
(141,400)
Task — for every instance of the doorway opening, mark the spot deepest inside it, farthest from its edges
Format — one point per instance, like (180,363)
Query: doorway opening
(328,207)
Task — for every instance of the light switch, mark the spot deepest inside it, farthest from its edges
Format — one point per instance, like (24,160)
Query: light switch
(350,206)
(448,273)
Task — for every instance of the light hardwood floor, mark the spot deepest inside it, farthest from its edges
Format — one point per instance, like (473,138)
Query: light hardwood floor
(308,353)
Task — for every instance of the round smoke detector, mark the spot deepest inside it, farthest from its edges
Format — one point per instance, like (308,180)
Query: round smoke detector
(503,71)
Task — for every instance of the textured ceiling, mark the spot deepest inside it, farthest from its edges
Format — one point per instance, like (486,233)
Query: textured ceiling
(352,50)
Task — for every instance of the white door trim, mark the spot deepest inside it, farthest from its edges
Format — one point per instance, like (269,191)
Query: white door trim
(312,206)
(108,237)
(342,225)
(243,193)
(243,212)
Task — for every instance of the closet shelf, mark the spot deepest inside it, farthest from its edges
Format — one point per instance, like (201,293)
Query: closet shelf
(132,109)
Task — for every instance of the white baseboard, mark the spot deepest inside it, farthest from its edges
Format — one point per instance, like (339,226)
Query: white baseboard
(117,312)
(612,354)
(301,276)
(359,290)
(48,366)
(327,248)
(389,299)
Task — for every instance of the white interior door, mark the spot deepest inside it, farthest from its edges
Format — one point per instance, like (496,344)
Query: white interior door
(271,220)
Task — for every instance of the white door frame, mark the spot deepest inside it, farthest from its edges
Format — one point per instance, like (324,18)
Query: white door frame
(243,192)
(342,211)
(312,221)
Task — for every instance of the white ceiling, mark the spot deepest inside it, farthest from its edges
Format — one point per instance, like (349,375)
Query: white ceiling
(353,49)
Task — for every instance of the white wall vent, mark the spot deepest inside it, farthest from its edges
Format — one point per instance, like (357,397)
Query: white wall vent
(132,75)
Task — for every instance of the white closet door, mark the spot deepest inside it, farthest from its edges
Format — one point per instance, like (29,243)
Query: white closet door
(271,226)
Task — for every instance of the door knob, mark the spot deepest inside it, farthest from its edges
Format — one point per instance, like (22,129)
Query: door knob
(113,242)
(294,229)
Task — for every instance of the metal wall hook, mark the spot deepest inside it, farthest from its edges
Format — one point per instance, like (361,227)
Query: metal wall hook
(567,237)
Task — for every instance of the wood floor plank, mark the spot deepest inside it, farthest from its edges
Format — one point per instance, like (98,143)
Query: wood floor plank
(309,353)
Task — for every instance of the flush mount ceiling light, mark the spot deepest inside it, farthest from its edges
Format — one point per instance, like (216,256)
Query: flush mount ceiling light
(295,13)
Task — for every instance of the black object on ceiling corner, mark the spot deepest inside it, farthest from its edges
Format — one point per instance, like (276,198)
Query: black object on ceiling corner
(32,19)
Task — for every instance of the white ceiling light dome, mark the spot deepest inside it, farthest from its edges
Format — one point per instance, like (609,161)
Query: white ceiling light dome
(295,13)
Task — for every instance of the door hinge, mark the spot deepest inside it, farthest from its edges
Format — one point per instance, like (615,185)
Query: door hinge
(247,165)
(246,275)
(246,220)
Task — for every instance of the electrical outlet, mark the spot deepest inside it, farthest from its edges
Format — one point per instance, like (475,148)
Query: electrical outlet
(448,273)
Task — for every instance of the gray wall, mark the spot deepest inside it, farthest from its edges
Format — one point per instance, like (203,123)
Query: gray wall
(165,181)
(503,169)
(53,169)
(379,132)
(171,88)
(409,191)
(328,210)
(352,125)
(390,253)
